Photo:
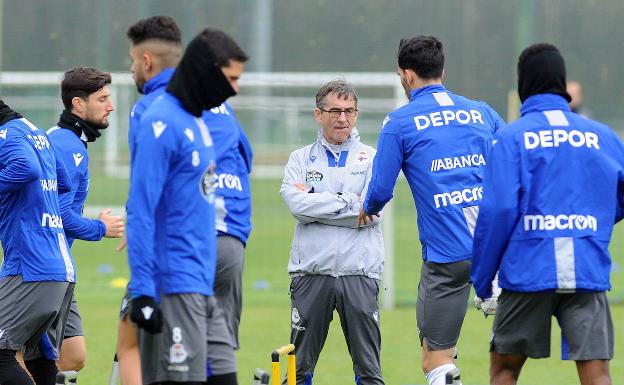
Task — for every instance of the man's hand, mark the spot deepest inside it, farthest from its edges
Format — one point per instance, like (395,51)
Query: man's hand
(145,312)
(363,218)
(114,223)
(300,186)
(123,242)
(487,306)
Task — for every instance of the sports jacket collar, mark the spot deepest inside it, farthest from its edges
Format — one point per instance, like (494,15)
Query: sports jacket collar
(426,90)
(158,81)
(543,102)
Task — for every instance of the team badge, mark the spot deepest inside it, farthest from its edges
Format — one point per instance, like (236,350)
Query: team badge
(313,177)
(362,156)
(295,315)
(208,183)
(177,353)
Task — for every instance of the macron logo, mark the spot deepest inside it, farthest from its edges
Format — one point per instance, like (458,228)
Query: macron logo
(158,127)
(560,222)
(147,311)
(3,136)
(386,120)
(78,157)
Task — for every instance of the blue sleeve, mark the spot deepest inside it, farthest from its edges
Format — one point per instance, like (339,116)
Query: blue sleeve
(147,181)
(74,224)
(497,121)
(498,214)
(133,126)
(386,167)
(22,165)
(244,147)
(620,198)
(619,157)
(62,175)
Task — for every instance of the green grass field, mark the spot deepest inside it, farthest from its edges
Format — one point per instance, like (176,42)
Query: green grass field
(266,313)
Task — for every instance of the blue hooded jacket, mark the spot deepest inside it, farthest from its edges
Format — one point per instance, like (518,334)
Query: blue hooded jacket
(31,228)
(171,228)
(234,157)
(71,149)
(553,189)
(152,89)
(440,141)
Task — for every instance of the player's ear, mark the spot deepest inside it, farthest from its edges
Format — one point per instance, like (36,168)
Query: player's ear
(148,62)
(78,104)
(410,76)
(317,114)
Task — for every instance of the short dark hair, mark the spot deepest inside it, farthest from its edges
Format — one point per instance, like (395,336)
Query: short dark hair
(223,47)
(157,28)
(340,87)
(423,55)
(82,82)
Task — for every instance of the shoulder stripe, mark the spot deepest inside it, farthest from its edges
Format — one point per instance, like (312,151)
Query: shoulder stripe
(556,118)
(443,99)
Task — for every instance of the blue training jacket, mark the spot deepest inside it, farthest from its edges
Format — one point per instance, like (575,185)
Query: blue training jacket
(234,157)
(151,90)
(31,227)
(71,149)
(439,140)
(553,189)
(171,227)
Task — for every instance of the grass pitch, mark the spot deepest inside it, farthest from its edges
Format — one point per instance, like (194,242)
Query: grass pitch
(266,313)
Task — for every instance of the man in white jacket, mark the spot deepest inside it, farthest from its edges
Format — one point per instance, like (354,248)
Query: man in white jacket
(333,263)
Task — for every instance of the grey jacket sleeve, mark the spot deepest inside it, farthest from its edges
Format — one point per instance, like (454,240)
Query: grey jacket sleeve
(348,218)
(304,206)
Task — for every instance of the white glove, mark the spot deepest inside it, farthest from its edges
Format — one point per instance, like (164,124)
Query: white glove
(487,306)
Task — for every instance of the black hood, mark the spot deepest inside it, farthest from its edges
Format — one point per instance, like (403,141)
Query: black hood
(542,72)
(198,80)
(6,113)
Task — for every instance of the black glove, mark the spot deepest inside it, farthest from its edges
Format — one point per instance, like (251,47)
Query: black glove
(145,312)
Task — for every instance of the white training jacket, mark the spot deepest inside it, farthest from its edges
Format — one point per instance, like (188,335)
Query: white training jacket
(327,240)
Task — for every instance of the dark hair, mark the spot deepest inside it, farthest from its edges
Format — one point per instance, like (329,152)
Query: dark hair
(82,82)
(340,87)
(155,27)
(224,48)
(423,55)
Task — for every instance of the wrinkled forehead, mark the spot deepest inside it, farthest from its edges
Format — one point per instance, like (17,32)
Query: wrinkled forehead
(340,99)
